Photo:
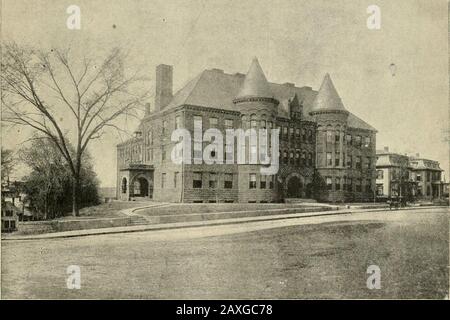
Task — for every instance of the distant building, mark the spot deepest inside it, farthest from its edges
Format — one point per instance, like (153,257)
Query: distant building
(319,140)
(406,176)
(427,174)
(10,217)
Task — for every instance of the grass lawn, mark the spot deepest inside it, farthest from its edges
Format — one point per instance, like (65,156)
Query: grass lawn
(104,210)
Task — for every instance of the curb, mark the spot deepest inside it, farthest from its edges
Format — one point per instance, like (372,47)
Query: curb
(181,225)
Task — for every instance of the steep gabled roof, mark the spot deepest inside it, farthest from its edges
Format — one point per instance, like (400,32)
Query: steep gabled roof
(327,98)
(255,83)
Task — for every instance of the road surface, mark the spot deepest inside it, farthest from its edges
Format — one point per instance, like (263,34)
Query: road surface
(320,257)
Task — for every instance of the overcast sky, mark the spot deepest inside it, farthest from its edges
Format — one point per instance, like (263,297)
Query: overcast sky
(296,41)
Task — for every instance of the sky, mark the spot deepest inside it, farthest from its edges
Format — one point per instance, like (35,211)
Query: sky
(295,41)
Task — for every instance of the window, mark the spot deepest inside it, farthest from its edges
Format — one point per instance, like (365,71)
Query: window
(310,136)
(254,124)
(228,181)
(367,142)
(297,158)
(329,159)
(177,122)
(368,185)
(263,124)
(349,184)
(337,159)
(150,138)
(348,139)
(163,180)
(329,136)
(285,157)
(175,179)
(304,159)
(428,178)
(212,180)
(198,123)
(337,184)
(262,182)
(197,180)
(213,122)
(229,155)
(349,161)
(164,127)
(380,190)
(358,141)
(291,133)
(418,177)
(198,147)
(271,181)
(163,153)
(380,174)
(329,183)
(337,137)
(285,132)
(310,159)
(358,185)
(228,124)
(291,158)
(303,135)
(368,162)
(124,185)
(252,181)
(358,162)
(297,132)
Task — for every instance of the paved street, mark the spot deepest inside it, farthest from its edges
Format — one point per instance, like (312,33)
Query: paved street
(320,257)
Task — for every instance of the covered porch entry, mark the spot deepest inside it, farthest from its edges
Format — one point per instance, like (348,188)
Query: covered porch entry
(137,182)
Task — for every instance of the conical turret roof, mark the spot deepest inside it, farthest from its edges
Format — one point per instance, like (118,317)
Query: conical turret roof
(255,83)
(327,98)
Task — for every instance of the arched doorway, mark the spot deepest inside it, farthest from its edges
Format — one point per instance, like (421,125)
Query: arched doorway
(294,187)
(140,187)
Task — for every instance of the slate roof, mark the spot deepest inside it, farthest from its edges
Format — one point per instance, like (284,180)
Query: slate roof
(255,83)
(216,89)
(327,98)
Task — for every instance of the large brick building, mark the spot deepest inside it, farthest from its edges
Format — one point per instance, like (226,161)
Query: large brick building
(322,145)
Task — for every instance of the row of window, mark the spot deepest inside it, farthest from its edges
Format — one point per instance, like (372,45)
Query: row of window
(346,184)
(265,182)
(348,161)
(396,174)
(293,133)
(298,158)
(357,141)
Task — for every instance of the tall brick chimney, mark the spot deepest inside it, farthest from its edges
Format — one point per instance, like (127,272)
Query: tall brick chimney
(163,86)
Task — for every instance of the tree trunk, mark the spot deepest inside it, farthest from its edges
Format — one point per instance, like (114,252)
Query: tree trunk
(76,195)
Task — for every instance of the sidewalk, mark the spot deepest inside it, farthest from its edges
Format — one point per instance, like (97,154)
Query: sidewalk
(179,225)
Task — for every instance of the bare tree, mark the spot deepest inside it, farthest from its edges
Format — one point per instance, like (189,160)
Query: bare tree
(70,100)
(8,163)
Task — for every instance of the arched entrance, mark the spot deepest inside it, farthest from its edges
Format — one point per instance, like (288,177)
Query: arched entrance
(140,187)
(294,187)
